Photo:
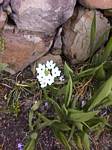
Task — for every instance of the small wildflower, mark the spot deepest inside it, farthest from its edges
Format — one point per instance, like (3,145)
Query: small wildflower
(83,103)
(43,84)
(47,73)
(56,72)
(40,69)
(46,104)
(50,64)
(49,79)
(20,146)
(61,78)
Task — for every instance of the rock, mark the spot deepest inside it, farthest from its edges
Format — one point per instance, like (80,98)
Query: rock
(21,49)
(1,1)
(76,35)
(3,17)
(56,59)
(41,15)
(57,44)
(102,4)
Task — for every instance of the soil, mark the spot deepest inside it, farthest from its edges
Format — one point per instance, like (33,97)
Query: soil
(14,130)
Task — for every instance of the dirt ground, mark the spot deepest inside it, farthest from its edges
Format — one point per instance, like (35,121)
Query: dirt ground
(14,130)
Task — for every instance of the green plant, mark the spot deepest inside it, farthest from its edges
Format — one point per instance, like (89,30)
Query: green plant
(19,91)
(70,123)
(3,66)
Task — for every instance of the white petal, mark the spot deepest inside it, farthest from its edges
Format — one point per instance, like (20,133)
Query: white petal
(61,78)
(49,79)
(41,77)
(56,72)
(43,84)
(50,64)
(40,69)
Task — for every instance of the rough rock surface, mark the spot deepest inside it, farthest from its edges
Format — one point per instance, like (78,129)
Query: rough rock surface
(21,49)
(56,58)
(102,4)
(41,15)
(3,17)
(1,1)
(76,35)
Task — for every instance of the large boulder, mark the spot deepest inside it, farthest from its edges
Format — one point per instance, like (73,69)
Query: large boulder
(76,34)
(1,1)
(19,49)
(36,22)
(102,4)
(41,15)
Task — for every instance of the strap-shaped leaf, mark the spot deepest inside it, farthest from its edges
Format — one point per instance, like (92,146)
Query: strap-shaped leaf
(80,116)
(68,92)
(67,70)
(85,141)
(62,138)
(101,94)
(3,66)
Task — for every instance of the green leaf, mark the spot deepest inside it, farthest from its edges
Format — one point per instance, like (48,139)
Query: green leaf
(56,107)
(30,145)
(78,142)
(60,126)
(71,133)
(68,92)
(62,138)
(102,39)
(36,106)
(100,73)
(34,135)
(93,34)
(64,109)
(30,120)
(107,101)
(107,50)
(90,71)
(46,121)
(96,122)
(67,70)
(79,125)
(2,44)
(85,141)
(3,66)
(101,94)
(79,116)
(86,73)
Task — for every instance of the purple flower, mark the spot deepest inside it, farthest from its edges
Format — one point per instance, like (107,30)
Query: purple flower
(20,146)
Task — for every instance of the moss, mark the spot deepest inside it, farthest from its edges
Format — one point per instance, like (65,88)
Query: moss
(2,44)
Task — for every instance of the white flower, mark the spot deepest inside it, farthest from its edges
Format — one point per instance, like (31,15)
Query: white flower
(41,77)
(43,84)
(49,79)
(50,64)
(46,73)
(40,69)
(56,72)
(61,78)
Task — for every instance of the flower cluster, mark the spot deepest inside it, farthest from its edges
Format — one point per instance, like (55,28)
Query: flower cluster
(46,73)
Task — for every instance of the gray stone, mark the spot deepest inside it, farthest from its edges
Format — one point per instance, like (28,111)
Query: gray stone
(41,15)
(102,4)
(22,48)
(1,1)
(3,17)
(76,34)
